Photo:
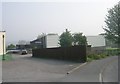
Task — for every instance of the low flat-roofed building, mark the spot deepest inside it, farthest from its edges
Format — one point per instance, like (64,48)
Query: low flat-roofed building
(96,41)
(2,42)
(46,41)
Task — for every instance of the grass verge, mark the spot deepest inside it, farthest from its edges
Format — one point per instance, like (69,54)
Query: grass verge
(108,52)
(7,57)
(92,57)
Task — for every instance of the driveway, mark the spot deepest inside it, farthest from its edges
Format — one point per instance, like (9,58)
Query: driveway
(24,68)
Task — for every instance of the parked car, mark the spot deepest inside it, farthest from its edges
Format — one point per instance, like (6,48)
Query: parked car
(17,51)
(24,51)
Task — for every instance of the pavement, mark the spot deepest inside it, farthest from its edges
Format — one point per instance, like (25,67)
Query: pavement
(24,68)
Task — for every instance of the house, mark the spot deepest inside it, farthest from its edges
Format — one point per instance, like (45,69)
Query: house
(46,41)
(2,42)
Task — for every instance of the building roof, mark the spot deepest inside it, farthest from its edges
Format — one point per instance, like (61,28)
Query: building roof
(36,41)
(2,31)
(52,34)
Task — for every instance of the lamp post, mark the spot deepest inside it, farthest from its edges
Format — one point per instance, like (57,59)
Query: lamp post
(3,48)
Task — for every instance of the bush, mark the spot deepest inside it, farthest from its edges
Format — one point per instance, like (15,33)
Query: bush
(95,57)
(113,51)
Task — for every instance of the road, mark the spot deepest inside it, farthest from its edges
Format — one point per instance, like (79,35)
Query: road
(105,70)
(27,69)
(24,68)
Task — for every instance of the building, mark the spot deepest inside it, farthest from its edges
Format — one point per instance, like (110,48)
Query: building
(96,41)
(52,40)
(2,42)
(46,41)
(38,43)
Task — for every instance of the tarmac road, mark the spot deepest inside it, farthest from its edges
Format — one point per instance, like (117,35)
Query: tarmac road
(26,69)
(105,70)
(110,72)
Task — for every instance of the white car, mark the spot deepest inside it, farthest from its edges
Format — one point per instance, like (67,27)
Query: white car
(17,51)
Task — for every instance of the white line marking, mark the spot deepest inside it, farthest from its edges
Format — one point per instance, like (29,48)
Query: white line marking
(100,77)
(76,68)
(103,69)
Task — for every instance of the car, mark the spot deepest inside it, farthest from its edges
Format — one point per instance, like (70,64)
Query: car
(23,52)
(17,51)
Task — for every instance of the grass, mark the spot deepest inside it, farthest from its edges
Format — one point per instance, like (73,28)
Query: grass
(108,52)
(112,48)
(92,57)
(7,57)
(113,51)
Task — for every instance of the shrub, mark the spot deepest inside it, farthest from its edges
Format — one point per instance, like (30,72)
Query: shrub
(113,51)
(95,57)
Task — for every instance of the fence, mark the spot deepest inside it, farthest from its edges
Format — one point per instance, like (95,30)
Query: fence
(74,53)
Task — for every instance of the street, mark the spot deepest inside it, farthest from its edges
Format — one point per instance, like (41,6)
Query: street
(24,68)
(105,70)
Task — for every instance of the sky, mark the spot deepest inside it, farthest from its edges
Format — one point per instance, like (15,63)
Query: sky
(26,19)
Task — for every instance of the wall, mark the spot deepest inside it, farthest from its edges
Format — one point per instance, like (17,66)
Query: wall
(52,40)
(96,41)
(74,53)
(1,42)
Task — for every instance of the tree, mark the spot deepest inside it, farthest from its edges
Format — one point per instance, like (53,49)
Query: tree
(11,46)
(112,28)
(66,39)
(79,39)
(41,35)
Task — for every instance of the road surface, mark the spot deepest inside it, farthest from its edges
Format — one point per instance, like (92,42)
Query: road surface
(105,70)
(26,69)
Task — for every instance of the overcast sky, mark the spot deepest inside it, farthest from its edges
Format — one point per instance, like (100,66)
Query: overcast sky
(26,20)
